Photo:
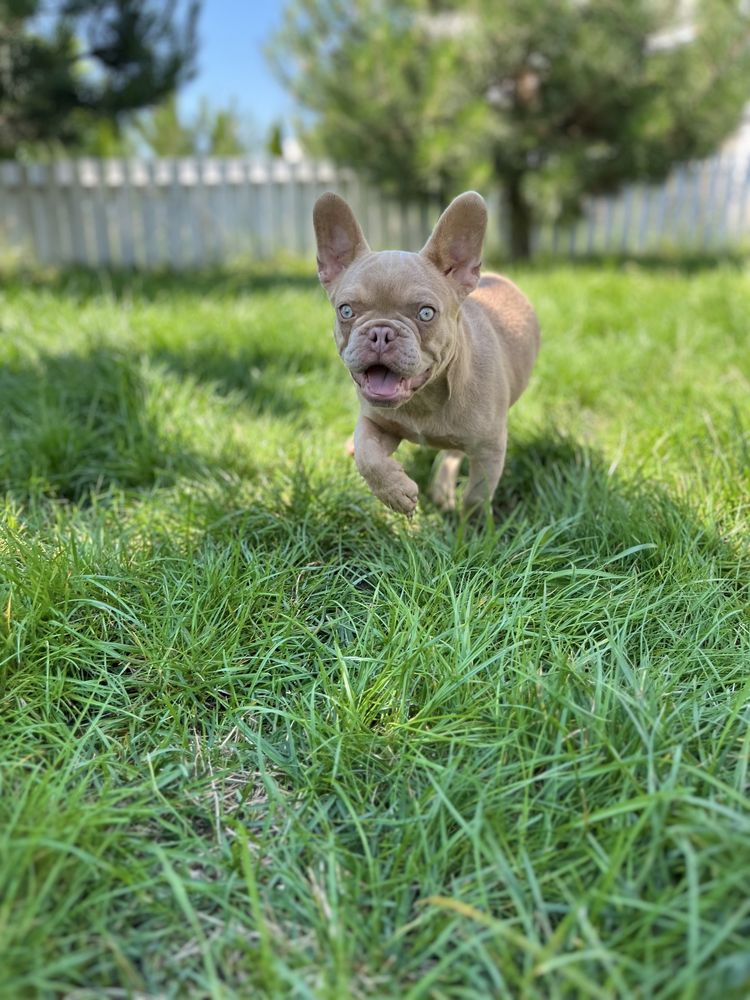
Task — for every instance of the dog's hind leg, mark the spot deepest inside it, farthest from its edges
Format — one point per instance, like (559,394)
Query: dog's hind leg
(443,489)
(485,469)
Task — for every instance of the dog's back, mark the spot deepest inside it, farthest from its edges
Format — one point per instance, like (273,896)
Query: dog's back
(515,323)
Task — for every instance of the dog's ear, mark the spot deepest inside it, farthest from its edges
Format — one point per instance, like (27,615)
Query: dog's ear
(338,235)
(455,246)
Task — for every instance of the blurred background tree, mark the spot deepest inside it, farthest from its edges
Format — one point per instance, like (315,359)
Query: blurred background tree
(71,71)
(551,99)
(223,130)
(164,131)
(275,140)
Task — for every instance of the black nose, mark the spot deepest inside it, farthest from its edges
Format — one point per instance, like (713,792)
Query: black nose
(381,336)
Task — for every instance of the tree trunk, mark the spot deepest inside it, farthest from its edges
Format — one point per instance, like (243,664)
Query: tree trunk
(519,219)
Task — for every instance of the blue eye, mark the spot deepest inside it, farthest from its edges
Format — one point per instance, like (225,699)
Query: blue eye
(426,313)
(346,311)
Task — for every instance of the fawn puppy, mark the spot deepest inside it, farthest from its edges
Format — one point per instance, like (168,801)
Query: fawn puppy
(438,354)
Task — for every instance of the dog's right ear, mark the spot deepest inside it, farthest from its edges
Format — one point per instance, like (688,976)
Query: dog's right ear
(339,237)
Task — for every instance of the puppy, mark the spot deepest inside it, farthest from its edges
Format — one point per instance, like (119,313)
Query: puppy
(438,354)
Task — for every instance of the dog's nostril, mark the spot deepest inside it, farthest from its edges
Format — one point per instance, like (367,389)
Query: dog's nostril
(381,334)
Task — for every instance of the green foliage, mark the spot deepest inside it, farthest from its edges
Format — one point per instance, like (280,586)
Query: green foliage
(66,66)
(555,99)
(260,737)
(166,131)
(105,139)
(223,130)
(275,140)
(381,87)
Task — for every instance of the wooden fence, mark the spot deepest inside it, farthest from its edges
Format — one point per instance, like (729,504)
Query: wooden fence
(196,212)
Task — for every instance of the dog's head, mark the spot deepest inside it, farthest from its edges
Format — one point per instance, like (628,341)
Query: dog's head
(397,312)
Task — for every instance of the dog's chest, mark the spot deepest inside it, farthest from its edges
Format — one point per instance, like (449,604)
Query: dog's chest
(425,435)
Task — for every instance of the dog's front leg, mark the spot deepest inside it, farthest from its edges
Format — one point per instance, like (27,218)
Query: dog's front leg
(386,478)
(485,468)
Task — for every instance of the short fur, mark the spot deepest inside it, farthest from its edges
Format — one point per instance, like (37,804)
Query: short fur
(446,380)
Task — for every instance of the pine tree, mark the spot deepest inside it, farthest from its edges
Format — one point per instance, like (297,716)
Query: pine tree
(65,66)
(551,99)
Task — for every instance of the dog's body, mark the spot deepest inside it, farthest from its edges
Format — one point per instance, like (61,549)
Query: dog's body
(438,354)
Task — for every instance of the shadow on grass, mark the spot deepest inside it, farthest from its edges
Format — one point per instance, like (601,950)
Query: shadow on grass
(80,421)
(75,425)
(271,381)
(72,424)
(553,479)
(81,283)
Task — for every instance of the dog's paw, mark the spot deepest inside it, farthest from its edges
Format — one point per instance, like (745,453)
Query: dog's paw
(400,495)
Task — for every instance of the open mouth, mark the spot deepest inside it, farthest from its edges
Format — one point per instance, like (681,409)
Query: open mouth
(385,387)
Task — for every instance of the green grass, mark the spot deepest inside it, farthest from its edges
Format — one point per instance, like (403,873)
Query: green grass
(260,737)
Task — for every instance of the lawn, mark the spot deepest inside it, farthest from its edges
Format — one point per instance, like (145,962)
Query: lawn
(263,738)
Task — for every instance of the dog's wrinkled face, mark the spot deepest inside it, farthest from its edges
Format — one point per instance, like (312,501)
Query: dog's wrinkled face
(395,323)
(397,312)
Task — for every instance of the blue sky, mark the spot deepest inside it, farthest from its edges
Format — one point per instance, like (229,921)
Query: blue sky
(231,64)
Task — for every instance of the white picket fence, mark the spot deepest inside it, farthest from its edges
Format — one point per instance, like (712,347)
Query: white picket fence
(193,212)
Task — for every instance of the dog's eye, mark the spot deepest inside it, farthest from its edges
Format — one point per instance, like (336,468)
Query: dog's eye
(426,313)
(346,311)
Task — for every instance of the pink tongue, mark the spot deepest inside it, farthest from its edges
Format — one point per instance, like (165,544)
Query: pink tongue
(382,380)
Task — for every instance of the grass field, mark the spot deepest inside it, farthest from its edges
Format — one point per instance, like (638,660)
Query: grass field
(261,737)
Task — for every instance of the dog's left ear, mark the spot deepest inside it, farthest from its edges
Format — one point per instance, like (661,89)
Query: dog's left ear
(339,237)
(455,246)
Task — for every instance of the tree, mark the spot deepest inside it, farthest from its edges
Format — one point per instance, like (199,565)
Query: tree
(164,132)
(68,65)
(210,132)
(275,140)
(552,99)
(223,132)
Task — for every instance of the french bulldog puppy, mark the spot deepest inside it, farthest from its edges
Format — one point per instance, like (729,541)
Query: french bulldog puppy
(438,354)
